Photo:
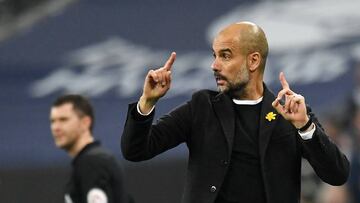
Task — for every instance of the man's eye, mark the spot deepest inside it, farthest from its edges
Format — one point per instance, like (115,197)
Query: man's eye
(226,56)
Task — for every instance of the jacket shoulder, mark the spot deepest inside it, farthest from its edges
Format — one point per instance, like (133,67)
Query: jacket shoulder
(96,156)
(204,94)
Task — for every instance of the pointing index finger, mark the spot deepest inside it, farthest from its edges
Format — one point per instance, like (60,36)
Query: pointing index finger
(170,61)
(284,83)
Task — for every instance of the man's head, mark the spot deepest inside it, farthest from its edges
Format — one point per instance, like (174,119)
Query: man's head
(240,52)
(71,120)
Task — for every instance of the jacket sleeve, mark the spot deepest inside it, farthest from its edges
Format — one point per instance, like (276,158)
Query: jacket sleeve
(92,172)
(329,163)
(142,140)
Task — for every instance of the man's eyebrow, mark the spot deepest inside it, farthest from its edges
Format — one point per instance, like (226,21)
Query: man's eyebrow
(222,50)
(225,50)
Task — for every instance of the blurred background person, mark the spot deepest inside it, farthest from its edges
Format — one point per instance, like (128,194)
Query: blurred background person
(313,190)
(354,180)
(96,176)
(333,194)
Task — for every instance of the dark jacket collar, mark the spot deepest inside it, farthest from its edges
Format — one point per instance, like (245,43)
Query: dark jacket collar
(87,148)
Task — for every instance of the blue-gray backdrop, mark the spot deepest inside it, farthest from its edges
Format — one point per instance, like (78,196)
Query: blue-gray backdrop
(103,49)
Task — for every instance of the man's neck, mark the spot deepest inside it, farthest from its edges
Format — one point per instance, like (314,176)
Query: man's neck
(252,91)
(84,140)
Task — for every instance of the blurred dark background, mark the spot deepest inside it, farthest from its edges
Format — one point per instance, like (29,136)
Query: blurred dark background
(103,49)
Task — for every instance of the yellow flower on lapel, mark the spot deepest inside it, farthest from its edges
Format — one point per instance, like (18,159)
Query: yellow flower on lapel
(270,116)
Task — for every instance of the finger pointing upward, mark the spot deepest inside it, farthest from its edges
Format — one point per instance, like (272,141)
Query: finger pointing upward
(285,87)
(170,61)
(283,81)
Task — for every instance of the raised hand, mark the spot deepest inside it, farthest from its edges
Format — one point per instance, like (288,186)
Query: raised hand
(157,83)
(294,107)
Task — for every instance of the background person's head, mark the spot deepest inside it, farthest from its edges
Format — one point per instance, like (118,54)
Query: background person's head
(240,52)
(72,121)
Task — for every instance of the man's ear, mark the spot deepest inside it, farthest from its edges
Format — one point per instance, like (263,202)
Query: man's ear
(253,61)
(86,122)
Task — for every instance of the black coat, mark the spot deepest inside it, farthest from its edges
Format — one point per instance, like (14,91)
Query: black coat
(95,167)
(206,124)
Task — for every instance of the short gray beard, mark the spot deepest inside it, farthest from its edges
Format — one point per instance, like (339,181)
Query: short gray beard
(237,90)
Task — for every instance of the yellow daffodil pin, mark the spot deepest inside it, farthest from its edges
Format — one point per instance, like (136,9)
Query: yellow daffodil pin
(270,116)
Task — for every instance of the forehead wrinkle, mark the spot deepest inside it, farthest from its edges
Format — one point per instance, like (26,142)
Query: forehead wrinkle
(225,44)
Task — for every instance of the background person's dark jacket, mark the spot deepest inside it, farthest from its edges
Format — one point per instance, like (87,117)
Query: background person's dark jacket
(96,167)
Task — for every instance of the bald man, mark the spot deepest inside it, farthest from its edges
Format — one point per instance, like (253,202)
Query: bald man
(245,144)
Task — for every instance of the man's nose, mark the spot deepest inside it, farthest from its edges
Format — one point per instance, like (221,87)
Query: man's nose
(215,66)
(55,126)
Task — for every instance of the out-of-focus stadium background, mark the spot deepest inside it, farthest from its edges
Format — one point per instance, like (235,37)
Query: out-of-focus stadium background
(103,49)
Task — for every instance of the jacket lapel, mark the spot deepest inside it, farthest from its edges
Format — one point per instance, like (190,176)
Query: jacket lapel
(266,126)
(224,110)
